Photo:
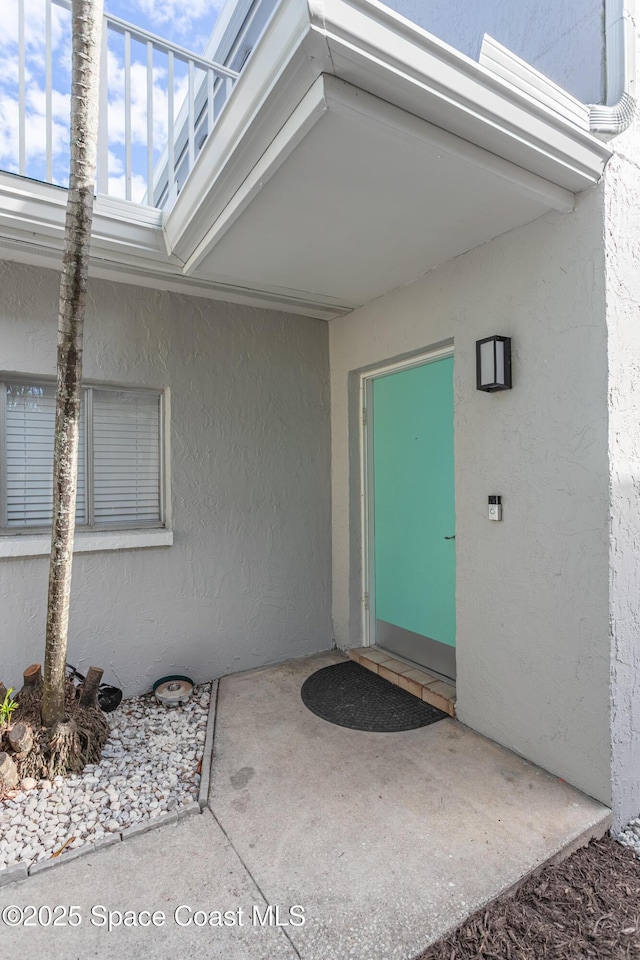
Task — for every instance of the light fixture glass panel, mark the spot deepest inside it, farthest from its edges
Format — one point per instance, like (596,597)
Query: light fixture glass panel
(499,361)
(487,365)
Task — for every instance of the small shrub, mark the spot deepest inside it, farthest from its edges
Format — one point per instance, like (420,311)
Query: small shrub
(7,707)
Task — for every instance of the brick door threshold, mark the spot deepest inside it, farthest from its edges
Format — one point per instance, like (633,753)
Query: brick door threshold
(418,682)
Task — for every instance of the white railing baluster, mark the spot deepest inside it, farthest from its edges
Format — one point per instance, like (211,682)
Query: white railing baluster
(171,163)
(210,85)
(150,123)
(48,83)
(103,126)
(191,120)
(22,152)
(127,113)
(119,25)
(229,84)
(204,79)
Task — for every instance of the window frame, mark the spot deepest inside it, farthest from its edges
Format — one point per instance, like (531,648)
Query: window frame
(88,528)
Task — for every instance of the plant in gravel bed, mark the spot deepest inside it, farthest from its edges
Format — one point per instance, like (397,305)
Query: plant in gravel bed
(68,733)
(28,750)
(148,767)
(7,707)
(61,731)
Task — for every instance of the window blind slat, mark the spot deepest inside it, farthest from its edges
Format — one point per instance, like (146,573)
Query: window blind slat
(126,456)
(125,435)
(30,419)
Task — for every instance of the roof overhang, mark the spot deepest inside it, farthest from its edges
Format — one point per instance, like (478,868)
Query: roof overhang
(127,245)
(357,152)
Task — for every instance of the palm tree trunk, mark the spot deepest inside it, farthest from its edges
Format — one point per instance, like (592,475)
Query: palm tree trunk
(87,32)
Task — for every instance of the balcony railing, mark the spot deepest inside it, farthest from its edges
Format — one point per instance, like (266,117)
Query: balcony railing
(158,104)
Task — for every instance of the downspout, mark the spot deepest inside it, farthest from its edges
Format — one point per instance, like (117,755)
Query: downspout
(615,115)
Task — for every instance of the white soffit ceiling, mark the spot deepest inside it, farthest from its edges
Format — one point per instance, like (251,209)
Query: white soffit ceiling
(357,152)
(368,198)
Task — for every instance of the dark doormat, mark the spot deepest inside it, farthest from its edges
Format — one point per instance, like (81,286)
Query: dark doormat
(352,696)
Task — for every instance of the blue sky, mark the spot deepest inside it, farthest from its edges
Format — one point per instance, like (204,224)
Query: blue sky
(185,22)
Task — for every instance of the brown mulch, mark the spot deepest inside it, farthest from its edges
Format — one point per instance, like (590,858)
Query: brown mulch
(586,907)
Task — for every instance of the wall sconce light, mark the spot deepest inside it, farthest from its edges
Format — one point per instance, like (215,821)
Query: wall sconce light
(493,364)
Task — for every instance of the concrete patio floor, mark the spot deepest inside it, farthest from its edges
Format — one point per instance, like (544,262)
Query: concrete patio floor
(385,840)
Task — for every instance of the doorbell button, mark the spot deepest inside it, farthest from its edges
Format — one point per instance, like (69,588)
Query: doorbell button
(495,507)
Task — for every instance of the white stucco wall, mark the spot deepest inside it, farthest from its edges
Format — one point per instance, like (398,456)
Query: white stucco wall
(622,203)
(247,581)
(564,40)
(532,594)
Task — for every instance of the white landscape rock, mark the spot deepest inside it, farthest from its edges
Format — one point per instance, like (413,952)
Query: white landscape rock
(630,836)
(148,767)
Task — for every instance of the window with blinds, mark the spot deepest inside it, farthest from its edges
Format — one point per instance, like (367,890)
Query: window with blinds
(120,478)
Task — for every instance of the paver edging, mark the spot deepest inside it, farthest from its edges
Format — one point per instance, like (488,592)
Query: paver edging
(207,753)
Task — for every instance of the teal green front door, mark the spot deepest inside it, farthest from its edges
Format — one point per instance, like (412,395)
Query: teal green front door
(414,514)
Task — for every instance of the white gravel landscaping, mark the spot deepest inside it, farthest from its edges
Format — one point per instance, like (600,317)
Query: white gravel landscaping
(150,766)
(630,836)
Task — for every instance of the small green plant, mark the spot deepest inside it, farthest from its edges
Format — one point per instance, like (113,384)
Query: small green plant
(6,709)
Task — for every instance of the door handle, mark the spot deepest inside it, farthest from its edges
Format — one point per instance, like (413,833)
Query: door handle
(451,538)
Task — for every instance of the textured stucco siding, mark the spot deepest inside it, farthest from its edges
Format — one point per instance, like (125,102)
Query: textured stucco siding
(532,594)
(247,581)
(622,203)
(565,41)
